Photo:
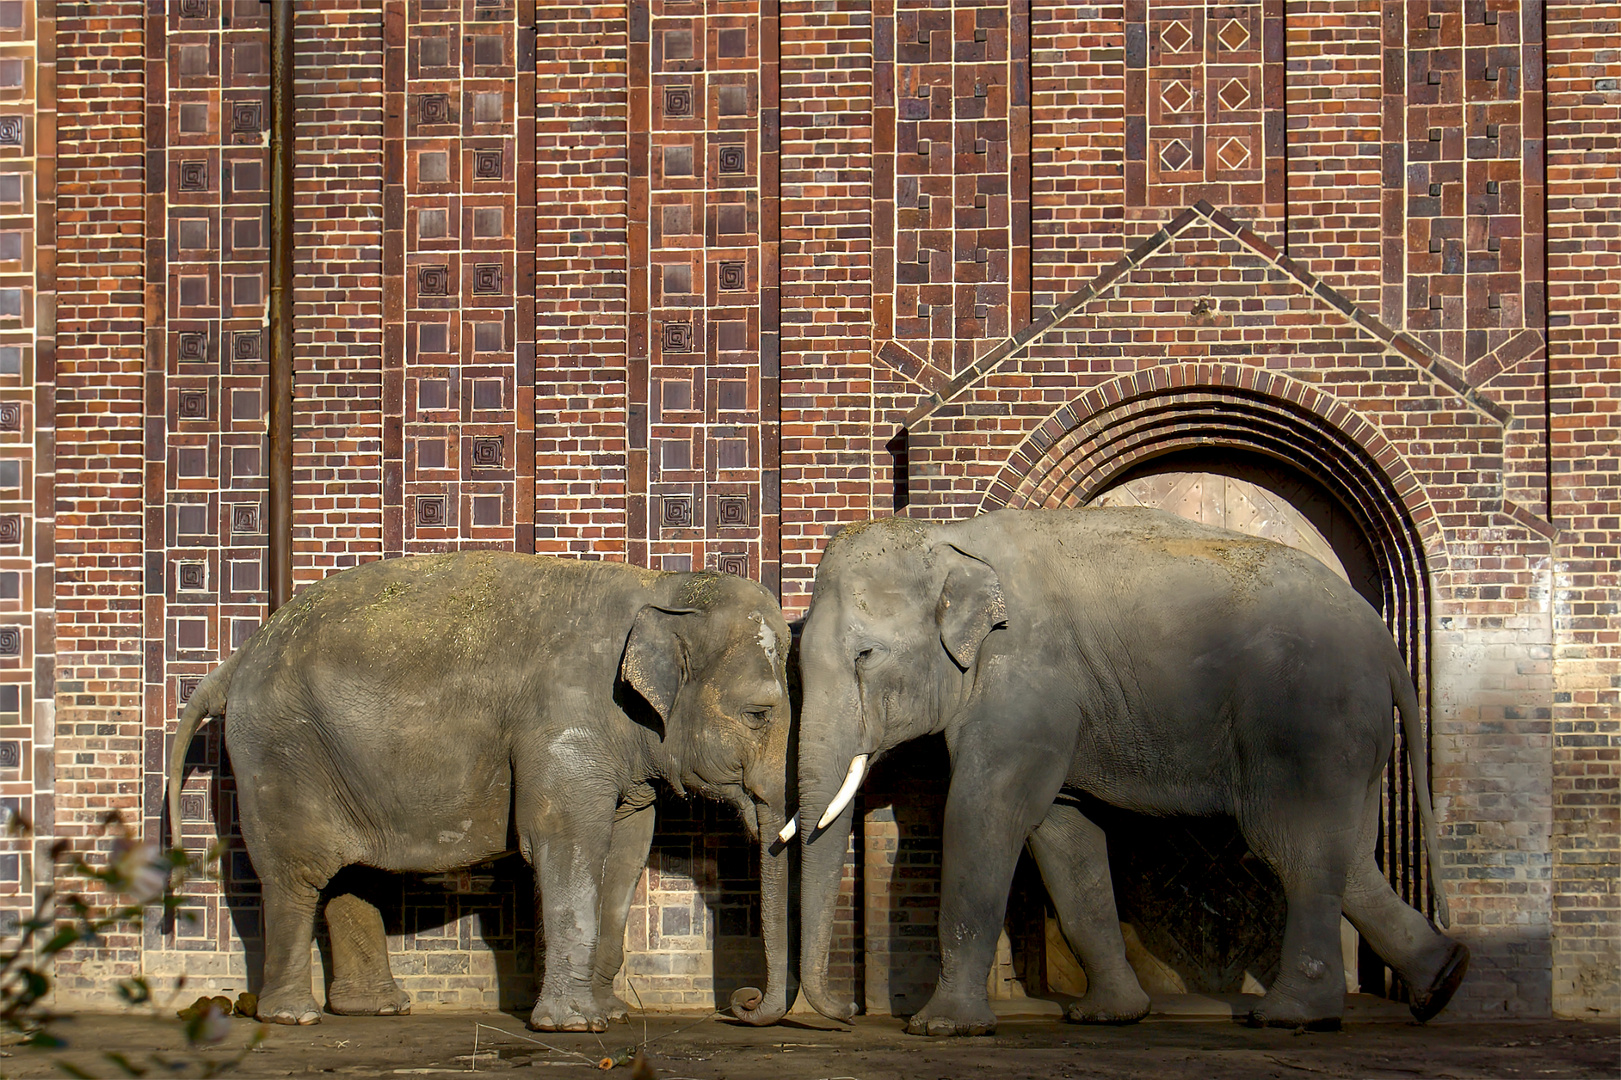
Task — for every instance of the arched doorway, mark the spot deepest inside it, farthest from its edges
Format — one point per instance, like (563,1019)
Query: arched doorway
(1255,494)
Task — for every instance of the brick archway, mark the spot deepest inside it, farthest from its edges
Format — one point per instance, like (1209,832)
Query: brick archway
(1116,426)
(1120,426)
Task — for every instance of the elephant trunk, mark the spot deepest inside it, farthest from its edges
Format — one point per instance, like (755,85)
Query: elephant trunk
(830,739)
(822,869)
(766,780)
(768,1007)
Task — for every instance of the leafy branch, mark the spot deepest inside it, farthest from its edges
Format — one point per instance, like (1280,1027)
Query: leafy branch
(138,875)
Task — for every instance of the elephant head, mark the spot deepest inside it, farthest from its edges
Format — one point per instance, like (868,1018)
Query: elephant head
(711,659)
(888,651)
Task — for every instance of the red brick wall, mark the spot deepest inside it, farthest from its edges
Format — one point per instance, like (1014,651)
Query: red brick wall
(102,308)
(1584,358)
(1077,87)
(832,445)
(1335,144)
(581,263)
(338,294)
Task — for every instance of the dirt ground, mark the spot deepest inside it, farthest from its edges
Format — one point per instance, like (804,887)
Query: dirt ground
(874,1048)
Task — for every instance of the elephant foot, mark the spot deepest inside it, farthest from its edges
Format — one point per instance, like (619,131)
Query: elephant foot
(1126,1007)
(1309,995)
(287,1007)
(1427,1003)
(566,1014)
(352,998)
(946,1018)
(613,1008)
(1282,1010)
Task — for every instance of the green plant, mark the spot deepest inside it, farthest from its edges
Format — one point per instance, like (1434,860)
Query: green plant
(137,875)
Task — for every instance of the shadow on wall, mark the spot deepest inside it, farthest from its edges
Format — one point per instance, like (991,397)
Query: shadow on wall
(694,931)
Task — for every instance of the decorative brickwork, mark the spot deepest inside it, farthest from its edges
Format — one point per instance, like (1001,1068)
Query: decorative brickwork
(1204,103)
(703,288)
(28,269)
(951,184)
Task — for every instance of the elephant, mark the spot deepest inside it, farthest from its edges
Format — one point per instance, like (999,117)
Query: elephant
(1155,664)
(426,713)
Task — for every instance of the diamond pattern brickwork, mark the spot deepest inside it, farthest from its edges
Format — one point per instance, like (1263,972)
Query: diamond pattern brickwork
(1204,103)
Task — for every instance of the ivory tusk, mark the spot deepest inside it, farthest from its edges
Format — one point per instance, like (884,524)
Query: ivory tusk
(789,829)
(858,769)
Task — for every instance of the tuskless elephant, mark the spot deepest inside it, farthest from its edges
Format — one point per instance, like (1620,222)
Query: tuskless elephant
(1159,665)
(412,714)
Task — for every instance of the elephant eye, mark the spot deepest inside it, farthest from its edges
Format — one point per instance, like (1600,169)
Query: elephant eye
(757,716)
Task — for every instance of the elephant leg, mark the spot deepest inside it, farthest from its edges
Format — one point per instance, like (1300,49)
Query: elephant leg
(1430,963)
(362,984)
(1072,854)
(627,858)
(567,841)
(289,907)
(1310,857)
(999,792)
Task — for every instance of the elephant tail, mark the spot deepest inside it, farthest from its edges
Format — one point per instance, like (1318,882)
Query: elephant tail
(207,700)
(1418,760)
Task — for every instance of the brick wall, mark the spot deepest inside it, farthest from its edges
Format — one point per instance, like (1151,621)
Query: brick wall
(581,222)
(1584,260)
(103,308)
(27,444)
(680,283)
(829,449)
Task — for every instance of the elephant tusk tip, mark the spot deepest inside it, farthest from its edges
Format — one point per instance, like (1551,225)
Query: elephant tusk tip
(852,783)
(789,830)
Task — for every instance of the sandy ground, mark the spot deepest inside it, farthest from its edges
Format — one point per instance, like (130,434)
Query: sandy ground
(874,1048)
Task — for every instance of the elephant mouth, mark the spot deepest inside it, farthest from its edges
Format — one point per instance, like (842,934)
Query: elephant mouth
(746,803)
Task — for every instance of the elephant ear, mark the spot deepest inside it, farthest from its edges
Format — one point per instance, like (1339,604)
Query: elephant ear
(970,606)
(655,660)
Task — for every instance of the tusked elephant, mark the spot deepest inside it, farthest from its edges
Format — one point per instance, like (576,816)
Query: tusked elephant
(412,714)
(1156,664)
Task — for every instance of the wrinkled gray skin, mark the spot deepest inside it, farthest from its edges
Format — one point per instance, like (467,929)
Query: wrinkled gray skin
(1159,665)
(407,713)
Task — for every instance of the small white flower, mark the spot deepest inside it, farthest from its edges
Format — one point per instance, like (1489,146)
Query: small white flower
(143,870)
(212,1028)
